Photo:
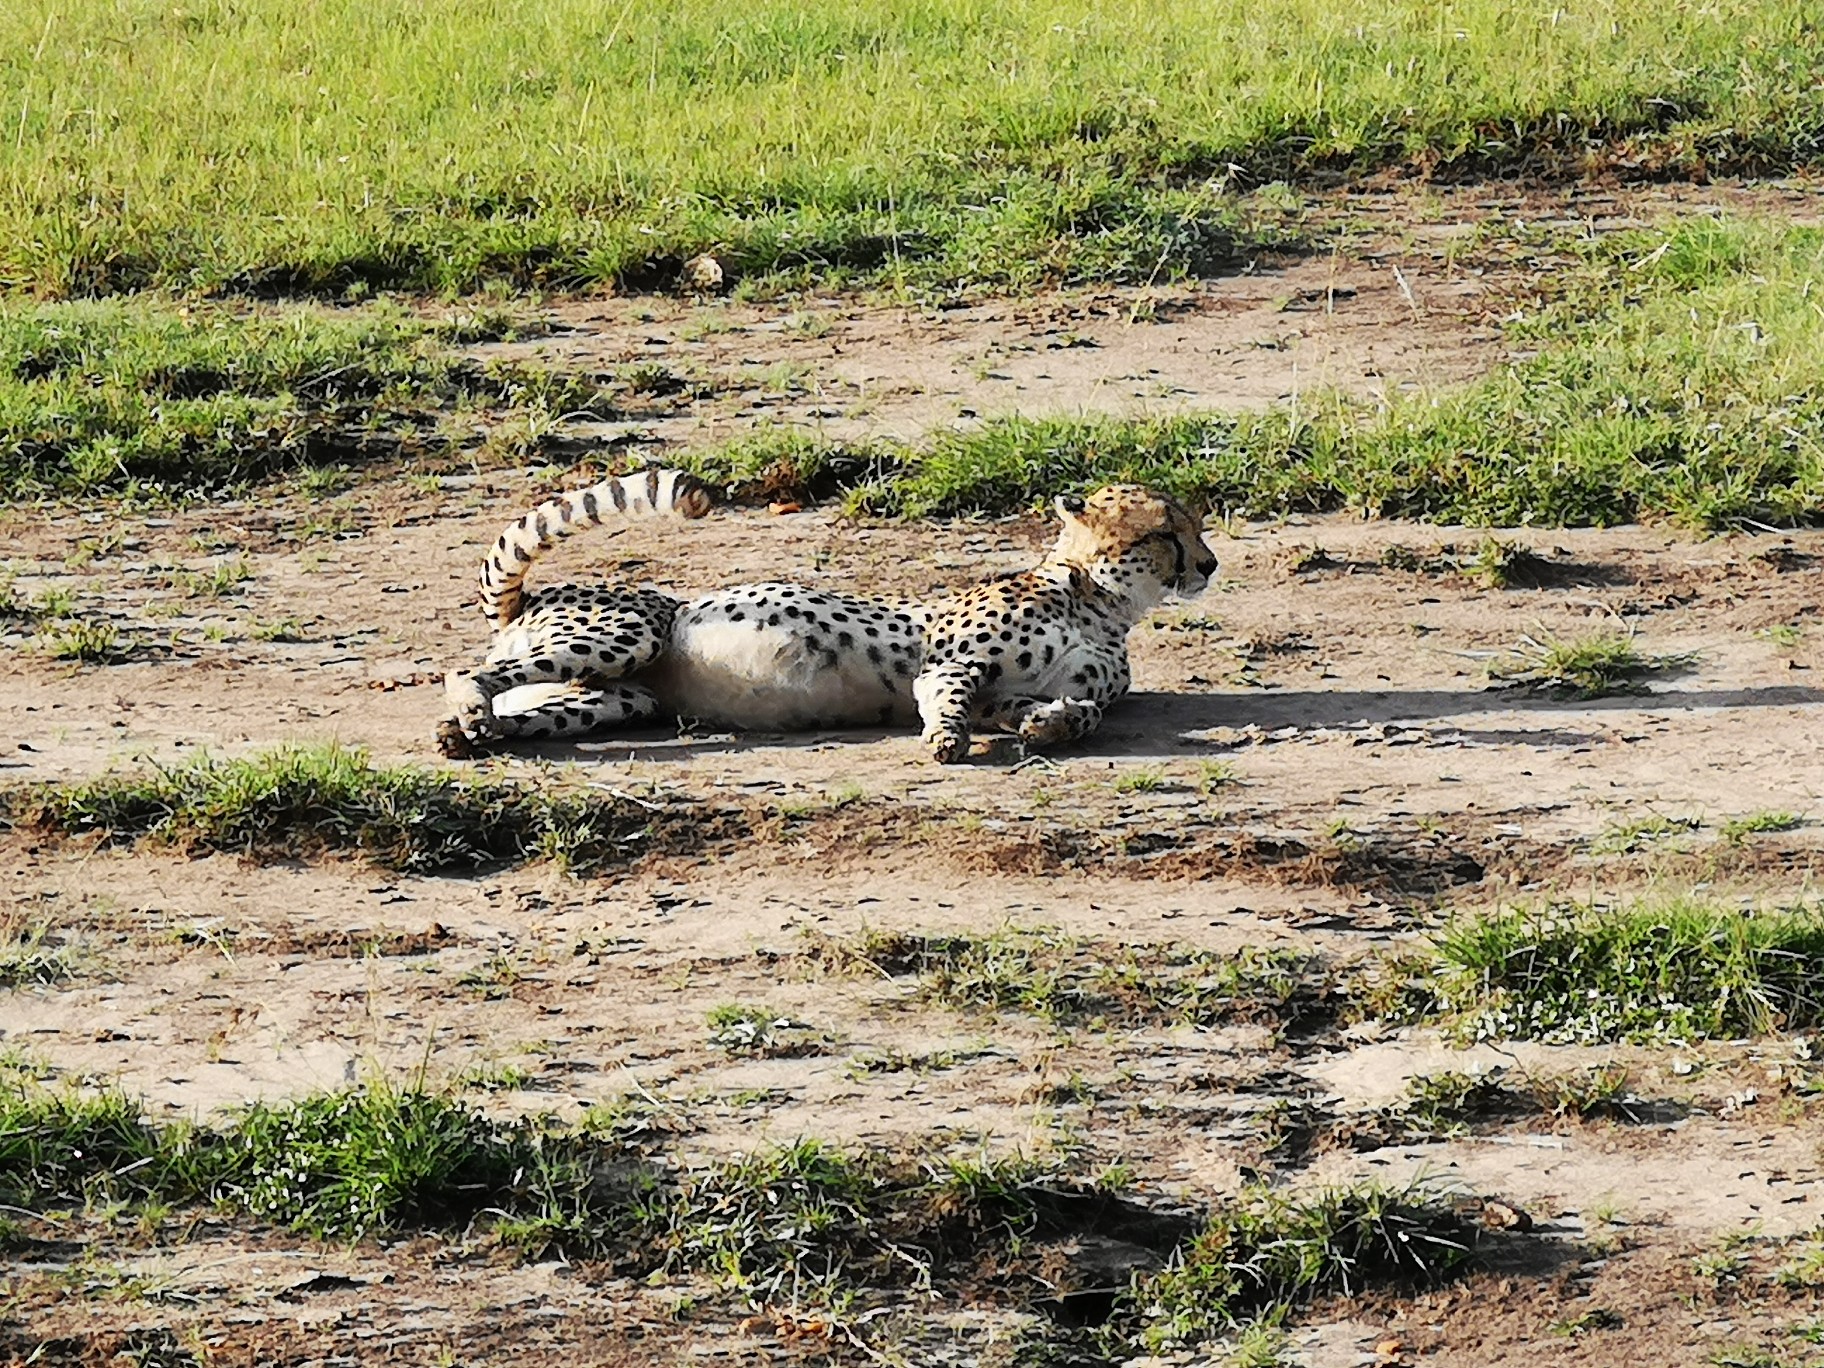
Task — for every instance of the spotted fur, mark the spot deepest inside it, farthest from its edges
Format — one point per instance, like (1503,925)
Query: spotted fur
(1040,654)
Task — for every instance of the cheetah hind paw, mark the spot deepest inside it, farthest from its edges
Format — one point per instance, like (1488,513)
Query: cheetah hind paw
(472,705)
(453,743)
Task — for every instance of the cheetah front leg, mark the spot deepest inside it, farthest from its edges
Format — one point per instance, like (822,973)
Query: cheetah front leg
(945,695)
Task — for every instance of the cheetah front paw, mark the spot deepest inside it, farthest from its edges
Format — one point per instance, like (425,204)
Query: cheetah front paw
(947,747)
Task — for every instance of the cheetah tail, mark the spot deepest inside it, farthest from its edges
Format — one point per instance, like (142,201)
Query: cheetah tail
(644,494)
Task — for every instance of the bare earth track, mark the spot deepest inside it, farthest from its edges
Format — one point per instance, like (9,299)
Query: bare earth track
(1378,775)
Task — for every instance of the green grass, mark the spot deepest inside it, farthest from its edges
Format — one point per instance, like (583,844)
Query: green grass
(62,631)
(147,395)
(1679,971)
(1682,971)
(56,1145)
(89,641)
(800,1224)
(344,1165)
(1213,775)
(1274,1250)
(1737,830)
(1589,666)
(453,144)
(745,1028)
(1497,564)
(221,580)
(801,1220)
(1451,1102)
(1675,374)
(1070,981)
(1625,838)
(1139,781)
(335,1165)
(808,1217)
(302,801)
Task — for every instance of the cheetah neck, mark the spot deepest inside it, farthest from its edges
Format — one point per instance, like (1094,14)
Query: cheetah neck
(1118,595)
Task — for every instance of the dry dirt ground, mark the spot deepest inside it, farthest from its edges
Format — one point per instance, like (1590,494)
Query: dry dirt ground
(1315,756)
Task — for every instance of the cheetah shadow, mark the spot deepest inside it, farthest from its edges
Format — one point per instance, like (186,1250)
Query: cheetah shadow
(1156,724)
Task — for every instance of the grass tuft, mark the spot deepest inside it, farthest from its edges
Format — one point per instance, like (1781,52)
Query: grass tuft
(802,1222)
(59,1145)
(1273,1251)
(743,1028)
(32,954)
(1590,667)
(1451,1102)
(1685,971)
(805,1223)
(345,1165)
(90,641)
(1737,830)
(302,801)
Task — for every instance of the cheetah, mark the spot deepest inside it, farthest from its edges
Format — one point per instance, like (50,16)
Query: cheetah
(1040,654)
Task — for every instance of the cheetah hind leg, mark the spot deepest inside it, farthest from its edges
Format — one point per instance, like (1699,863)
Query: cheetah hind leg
(625,639)
(1044,721)
(571,709)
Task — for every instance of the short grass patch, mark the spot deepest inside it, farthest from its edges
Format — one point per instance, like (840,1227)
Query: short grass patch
(1452,1102)
(349,1164)
(52,624)
(147,396)
(1075,982)
(1580,972)
(1628,838)
(802,1223)
(57,1146)
(36,953)
(303,801)
(1737,830)
(85,641)
(1497,564)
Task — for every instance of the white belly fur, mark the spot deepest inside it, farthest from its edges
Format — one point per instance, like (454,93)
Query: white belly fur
(747,674)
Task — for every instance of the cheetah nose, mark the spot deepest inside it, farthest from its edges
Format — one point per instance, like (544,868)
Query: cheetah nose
(1206,568)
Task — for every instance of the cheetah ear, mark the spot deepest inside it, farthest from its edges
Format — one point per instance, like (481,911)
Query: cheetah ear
(1068,506)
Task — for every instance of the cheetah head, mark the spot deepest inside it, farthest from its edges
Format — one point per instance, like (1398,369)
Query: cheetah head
(1135,542)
